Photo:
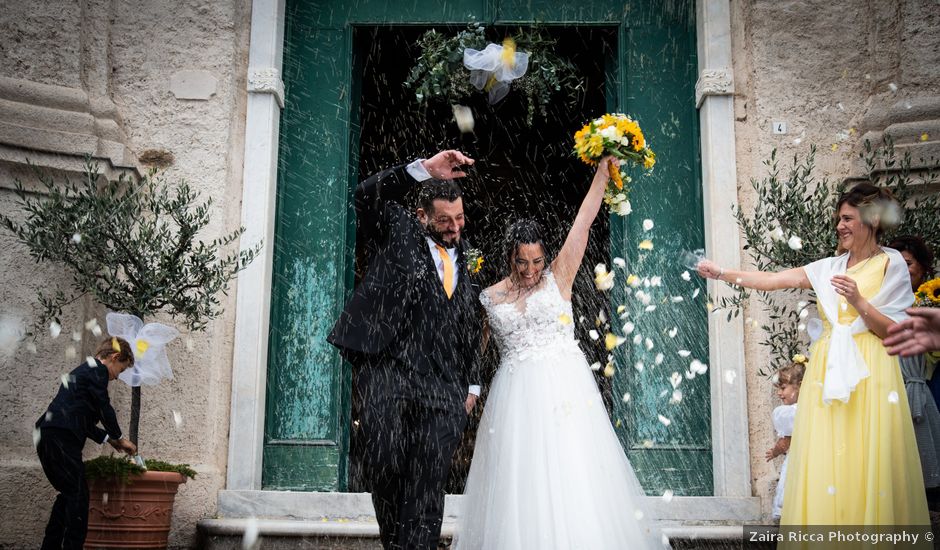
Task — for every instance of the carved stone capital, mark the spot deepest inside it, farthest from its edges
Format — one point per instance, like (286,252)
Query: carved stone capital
(267,81)
(713,82)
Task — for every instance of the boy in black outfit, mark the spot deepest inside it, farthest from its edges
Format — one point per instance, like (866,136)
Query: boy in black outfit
(81,403)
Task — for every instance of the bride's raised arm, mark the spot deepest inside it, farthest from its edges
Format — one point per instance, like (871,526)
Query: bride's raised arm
(566,264)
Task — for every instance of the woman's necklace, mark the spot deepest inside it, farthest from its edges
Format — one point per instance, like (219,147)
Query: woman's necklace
(859,265)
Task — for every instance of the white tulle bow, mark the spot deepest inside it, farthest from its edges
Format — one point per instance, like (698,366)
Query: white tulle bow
(151,365)
(495,67)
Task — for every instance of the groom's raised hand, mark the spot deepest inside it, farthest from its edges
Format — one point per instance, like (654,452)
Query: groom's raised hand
(470,403)
(446,165)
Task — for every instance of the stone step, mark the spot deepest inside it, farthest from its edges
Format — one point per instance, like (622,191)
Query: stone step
(284,534)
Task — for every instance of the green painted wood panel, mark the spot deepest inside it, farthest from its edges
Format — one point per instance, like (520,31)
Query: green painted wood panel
(306,422)
(659,66)
(340,13)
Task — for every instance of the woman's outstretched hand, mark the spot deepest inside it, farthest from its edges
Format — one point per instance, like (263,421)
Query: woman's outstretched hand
(708,269)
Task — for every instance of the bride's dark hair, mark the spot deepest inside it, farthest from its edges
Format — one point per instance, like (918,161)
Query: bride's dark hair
(520,232)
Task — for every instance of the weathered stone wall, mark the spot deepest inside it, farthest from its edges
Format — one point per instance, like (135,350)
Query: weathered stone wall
(833,71)
(124,55)
(825,68)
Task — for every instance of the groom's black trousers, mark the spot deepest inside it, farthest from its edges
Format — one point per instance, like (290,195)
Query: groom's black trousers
(408,448)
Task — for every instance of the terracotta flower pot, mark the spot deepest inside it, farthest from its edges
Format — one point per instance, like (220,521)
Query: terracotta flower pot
(135,515)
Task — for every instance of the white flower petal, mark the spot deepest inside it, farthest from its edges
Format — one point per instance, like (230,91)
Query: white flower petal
(463,116)
(730,375)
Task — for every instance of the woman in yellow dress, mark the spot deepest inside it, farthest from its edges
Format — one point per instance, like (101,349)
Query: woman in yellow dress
(854,458)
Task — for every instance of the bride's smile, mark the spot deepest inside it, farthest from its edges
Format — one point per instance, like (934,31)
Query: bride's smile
(528,265)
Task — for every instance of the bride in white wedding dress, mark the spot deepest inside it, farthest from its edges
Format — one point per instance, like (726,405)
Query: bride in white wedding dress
(548,471)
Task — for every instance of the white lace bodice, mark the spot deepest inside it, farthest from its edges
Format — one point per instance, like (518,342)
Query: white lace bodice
(539,323)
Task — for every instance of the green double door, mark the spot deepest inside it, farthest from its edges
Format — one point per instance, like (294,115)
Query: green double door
(326,143)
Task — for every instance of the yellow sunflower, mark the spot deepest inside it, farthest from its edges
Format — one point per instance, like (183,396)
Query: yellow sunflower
(929,292)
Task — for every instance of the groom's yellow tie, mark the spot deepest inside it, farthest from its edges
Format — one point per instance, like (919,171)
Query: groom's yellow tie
(448,270)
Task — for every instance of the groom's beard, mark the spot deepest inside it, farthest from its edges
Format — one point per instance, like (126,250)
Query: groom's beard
(449,240)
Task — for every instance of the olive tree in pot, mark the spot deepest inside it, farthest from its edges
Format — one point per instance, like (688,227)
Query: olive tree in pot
(131,244)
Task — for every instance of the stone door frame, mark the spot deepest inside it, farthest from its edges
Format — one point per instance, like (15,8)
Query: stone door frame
(714,99)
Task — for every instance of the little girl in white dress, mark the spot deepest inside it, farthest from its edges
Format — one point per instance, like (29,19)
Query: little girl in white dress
(788,383)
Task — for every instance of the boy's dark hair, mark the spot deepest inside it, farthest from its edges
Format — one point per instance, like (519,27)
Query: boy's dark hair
(916,247)
(108,347)
(433,190)
(791,374)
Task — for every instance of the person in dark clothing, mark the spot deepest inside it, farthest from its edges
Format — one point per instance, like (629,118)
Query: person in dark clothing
(412,332)
(80,404)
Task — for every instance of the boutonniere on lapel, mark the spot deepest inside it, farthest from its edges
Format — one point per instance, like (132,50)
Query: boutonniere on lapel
(474,260)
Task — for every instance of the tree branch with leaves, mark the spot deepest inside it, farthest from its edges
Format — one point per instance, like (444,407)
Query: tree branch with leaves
(131,244)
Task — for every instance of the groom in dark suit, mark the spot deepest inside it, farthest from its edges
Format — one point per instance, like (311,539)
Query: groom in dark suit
(412,330)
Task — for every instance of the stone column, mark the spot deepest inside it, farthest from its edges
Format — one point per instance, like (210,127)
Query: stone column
(253,303)
(714,99)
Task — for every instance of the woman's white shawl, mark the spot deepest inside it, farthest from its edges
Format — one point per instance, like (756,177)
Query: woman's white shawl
(845,366)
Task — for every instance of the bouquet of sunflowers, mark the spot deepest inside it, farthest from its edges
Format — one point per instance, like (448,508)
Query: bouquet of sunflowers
(620,136)
(928,294)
